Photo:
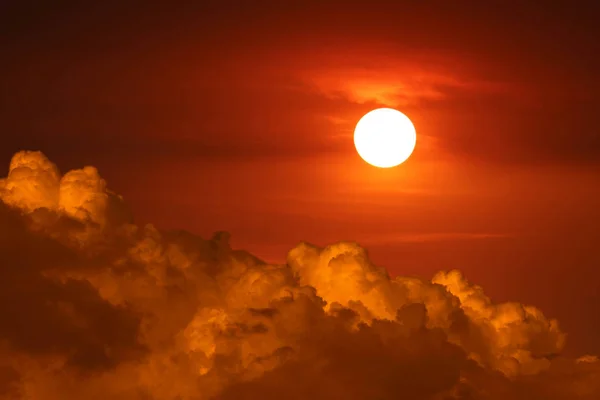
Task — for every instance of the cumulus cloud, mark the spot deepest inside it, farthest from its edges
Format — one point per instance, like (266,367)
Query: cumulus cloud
(93,306)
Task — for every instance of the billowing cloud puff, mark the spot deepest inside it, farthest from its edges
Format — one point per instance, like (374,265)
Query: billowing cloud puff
(34,182)
(95,307)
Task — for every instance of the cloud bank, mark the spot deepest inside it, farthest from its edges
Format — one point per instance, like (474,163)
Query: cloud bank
(95,307)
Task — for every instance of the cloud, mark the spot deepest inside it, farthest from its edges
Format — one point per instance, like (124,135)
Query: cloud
(93,306)
(435,237)
(386,76)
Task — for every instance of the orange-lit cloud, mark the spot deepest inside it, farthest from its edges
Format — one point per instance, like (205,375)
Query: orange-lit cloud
(95,307)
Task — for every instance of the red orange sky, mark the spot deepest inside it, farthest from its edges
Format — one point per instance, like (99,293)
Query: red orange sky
(239,118)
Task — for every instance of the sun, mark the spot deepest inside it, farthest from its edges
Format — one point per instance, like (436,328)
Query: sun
(385,137)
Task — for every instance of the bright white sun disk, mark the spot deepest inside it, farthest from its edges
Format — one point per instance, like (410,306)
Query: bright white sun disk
(385,137)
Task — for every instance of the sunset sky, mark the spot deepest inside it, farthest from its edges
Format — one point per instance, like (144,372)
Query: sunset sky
(238,117)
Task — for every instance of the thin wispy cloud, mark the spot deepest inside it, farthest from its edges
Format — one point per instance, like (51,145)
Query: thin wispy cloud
(434,237)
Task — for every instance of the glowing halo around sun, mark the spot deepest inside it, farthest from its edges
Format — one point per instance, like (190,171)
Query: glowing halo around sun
(385,137)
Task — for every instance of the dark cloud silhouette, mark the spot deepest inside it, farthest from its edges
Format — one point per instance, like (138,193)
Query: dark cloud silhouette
(46,313)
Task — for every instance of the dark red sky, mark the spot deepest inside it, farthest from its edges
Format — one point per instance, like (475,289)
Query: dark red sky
(223,116)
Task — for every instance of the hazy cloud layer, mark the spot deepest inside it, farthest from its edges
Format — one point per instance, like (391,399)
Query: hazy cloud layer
(164,78)
(94,307)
